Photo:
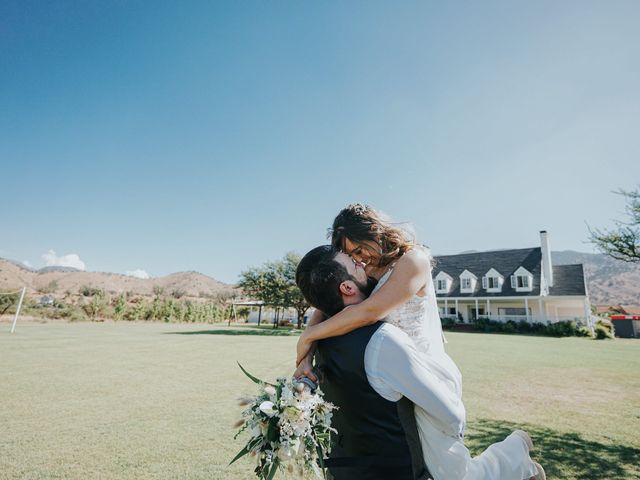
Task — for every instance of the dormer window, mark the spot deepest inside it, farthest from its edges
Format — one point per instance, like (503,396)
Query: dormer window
(443,282)
(467,282)
(522,280)
(492,281)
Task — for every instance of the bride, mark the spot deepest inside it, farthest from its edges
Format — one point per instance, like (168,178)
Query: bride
(405,297)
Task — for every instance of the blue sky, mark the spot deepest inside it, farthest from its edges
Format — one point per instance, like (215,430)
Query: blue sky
(213,136)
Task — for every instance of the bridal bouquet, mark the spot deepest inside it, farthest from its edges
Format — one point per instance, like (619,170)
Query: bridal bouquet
(288,427)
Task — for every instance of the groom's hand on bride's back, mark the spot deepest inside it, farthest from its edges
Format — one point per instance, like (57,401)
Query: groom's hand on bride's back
(305,369)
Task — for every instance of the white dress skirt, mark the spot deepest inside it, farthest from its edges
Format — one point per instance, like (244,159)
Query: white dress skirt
(447,457)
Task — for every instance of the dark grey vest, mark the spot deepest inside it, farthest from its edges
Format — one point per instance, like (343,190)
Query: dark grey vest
(371,443)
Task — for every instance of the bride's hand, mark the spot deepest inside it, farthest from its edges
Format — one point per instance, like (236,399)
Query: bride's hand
(305,369)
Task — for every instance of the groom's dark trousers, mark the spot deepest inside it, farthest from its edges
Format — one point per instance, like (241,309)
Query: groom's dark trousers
(377,439)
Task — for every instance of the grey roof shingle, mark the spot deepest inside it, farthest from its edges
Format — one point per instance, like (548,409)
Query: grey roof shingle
(568,279)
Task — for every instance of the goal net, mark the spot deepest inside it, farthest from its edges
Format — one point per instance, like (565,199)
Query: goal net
(11,303)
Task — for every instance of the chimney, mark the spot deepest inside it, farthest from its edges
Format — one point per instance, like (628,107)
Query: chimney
(547,267)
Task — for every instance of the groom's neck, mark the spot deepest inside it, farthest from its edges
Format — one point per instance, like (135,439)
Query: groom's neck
(354,299)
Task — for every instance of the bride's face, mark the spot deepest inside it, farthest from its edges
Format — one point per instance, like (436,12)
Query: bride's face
(366,252)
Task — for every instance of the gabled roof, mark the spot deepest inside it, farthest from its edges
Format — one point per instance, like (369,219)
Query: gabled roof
(468,274)
(568,280)
(443,274)
(521,271)
(504,261)
(494,272)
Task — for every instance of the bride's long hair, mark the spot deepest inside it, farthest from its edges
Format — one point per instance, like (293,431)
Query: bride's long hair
(359,222)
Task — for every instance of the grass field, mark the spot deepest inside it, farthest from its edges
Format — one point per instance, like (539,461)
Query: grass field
(157,401)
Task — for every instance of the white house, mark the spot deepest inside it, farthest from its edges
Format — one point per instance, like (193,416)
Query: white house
(515,285)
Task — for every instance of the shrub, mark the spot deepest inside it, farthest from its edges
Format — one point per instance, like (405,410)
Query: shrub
(96,307)
(447,323)
(119,307)
(178,293)
(583,332)
(606,324)
(87,291)
(603,330)
(158,291)
(558,329)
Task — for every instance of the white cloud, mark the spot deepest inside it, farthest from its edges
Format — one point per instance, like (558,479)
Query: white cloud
(70,260)
(27,263)
(139,273)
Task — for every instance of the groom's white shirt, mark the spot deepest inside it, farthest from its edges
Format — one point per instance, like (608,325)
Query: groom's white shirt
(395,368)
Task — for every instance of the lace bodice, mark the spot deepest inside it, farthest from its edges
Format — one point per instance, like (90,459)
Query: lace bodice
(418,317)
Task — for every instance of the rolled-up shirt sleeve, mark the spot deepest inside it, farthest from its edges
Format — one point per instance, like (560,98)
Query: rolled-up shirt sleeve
(395,368)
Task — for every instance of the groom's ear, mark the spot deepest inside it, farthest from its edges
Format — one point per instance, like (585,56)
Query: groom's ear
(348,288)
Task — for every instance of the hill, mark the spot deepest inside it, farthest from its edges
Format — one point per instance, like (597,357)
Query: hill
(65,280)
(609,281)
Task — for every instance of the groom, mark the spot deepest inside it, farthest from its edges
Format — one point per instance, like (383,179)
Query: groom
(368,374)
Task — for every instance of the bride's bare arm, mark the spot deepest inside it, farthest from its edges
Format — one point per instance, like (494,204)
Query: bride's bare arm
(407,279)
(305,367)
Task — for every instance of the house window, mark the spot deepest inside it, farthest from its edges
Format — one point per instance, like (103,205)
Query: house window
(442,285)
(522,281)
(466,283)
(513,311)
(492,282)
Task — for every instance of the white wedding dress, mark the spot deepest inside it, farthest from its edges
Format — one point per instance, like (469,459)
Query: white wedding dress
(446,457)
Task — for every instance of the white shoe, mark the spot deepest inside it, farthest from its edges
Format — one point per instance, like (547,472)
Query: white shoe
(525,438)
(540,475)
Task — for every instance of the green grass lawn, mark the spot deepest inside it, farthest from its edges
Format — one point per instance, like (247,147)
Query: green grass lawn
(143,401)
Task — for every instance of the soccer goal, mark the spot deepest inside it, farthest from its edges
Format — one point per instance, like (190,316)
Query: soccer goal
(8,299)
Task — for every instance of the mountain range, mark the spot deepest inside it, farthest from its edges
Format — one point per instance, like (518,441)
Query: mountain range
(609,281)
(63,280)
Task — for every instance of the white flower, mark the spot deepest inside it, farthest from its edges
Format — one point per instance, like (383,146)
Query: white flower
(270,390)
(286,453)
(268,408)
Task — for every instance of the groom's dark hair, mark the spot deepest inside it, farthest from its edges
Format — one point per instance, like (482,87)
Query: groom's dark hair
(319,276)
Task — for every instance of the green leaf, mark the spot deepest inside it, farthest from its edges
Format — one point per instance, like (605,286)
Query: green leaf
(273,431)
(254,379)
(321,460)
(240,454)
(274,468)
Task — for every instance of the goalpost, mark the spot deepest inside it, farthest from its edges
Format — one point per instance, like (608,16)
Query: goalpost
(15,318)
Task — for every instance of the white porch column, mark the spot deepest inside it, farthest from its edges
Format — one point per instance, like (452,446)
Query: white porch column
(587,315)
(526,308)
(446,307)
(477,315)
(488,308)
(543,314)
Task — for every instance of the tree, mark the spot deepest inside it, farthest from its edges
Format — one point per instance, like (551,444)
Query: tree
(96,305)
(292,295)
(275,284)
(623,241)
(119,307)
(7,301)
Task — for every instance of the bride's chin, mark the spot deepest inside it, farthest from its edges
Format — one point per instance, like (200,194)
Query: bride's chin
(371,271)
